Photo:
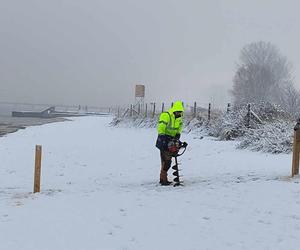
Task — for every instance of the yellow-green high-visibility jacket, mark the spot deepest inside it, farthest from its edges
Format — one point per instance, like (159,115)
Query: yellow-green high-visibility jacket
(167,124)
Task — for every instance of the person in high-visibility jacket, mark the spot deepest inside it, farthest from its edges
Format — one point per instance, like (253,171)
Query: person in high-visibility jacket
(169,127)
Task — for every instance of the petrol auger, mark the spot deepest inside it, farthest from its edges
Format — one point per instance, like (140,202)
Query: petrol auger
(174,147)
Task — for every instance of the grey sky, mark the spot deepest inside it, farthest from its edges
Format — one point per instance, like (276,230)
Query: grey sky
(93,52)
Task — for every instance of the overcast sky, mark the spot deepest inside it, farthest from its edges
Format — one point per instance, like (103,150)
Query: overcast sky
(93,52)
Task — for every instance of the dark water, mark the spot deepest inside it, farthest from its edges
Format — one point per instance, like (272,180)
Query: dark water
(9,124)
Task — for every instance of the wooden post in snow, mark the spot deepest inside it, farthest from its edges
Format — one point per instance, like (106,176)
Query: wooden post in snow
(139,109)
(296,149)
(153,114)
(146,110)
(162,107)
(37,169)
(209,111)
(195,110)
(248,115)
(228,107)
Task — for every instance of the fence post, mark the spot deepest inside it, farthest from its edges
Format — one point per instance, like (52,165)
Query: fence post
(296,149)
(248,115)
(195,110)
(131,110)
(228,107)
(153,114)
(209,111)
(37,169)
(162,107)
(146,110)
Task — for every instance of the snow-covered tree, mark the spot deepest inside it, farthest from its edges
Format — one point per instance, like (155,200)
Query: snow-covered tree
(264,75)
(289,99)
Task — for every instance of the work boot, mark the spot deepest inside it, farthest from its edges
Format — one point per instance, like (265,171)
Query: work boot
(165,183)
(164,178)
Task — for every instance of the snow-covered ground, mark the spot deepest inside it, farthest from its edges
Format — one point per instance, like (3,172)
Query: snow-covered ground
(100,191)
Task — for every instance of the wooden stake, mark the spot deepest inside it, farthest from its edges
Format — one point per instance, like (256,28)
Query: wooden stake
(153,114)
(228,107)
(146,110)
(195,110)
(296,150)
(37,169)
(209,111)
(248,115)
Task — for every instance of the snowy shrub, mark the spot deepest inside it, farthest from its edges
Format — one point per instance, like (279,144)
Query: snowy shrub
(228,126)
(196,124)
(275,137)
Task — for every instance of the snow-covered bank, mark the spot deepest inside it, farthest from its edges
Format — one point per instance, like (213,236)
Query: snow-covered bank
(99,191)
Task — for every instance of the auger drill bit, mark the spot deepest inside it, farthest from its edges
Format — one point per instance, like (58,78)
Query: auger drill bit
(176,174)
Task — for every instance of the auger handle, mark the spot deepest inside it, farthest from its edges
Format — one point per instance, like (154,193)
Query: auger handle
(182,151)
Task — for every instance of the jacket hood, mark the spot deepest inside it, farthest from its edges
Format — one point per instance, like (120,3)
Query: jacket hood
(177,106)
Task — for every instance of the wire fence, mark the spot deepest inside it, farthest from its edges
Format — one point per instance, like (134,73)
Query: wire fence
(151,110)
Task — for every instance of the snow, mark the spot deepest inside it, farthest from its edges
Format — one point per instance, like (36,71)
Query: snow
(100,191)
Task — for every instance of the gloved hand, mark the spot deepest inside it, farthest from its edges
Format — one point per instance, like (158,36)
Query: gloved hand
(184,144)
